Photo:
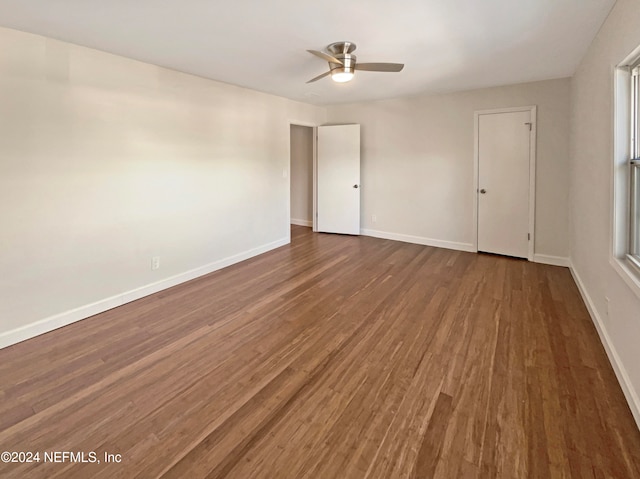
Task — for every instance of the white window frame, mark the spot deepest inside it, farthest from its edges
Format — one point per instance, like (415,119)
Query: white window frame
(624,257)
(634,167)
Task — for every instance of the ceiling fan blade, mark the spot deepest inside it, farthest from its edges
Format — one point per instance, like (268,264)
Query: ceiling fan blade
(380,67)
(326,57)
(319,77)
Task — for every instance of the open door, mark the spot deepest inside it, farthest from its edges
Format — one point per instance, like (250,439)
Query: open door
(338,179)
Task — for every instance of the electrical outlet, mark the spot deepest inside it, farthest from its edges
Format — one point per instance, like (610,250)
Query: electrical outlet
(285,173)
(155,262)
(374,219)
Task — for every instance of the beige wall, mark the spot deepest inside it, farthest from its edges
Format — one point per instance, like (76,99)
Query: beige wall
(106,162)
(301,174)
(417,162)
(591,187)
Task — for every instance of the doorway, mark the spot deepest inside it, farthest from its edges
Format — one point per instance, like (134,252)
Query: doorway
(505,181)
(301,178)
(324,182)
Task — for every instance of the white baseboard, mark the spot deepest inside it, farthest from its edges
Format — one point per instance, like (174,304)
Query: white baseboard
(552,260)
(295,221)
(618,367)
(419,240)
(57,321)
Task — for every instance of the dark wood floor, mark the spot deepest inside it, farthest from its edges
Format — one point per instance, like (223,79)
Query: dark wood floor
(335,356)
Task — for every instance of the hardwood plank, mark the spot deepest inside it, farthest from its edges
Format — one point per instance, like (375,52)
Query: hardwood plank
(333,356)
(429,454)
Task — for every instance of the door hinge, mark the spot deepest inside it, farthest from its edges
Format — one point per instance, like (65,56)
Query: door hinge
(529,124)
(529,236)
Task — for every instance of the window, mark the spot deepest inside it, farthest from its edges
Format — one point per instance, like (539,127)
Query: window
(634,166)
(625,174)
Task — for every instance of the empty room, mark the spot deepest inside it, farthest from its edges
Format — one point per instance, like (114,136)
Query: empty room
(342,239)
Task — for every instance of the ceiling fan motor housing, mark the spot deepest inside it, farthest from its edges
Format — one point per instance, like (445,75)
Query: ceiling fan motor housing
(342,51)
(348,63)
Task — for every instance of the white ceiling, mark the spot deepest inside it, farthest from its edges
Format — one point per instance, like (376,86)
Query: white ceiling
(447,45)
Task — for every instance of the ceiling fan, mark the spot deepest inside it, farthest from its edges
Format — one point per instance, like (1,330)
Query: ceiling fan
(342,63)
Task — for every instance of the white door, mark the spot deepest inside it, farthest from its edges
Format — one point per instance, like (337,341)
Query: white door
(504,141)
(338,179)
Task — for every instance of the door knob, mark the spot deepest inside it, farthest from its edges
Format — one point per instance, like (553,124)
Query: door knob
(483,191)
(355,186)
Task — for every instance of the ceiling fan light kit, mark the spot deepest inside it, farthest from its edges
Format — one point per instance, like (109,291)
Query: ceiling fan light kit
(340,76)
(342,63)
(342,73)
